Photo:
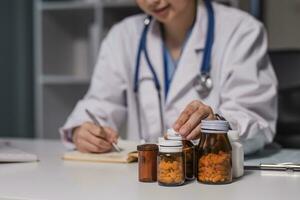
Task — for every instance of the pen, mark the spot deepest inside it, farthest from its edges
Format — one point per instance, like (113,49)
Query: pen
(280,166)
(94,119)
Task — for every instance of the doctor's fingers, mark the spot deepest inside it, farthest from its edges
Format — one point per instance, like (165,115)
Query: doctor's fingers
(87,147)
(203,112)
(111,134)
(99,142)
(94,129)
(195,134)
(185,114)
(88,141)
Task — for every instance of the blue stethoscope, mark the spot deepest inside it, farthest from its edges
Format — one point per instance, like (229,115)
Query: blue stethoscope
(203,82)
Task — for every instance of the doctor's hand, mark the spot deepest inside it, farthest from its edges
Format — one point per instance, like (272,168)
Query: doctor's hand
(188,123)
(89,138)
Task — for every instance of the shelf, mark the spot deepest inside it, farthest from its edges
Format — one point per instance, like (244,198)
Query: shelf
(80,15)
(69,42)
(284,49)
(67,38)
(118,4)
(67,5)
(63,80)
(110,17)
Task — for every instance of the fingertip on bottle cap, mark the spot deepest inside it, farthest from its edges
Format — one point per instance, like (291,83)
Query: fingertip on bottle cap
(173,135)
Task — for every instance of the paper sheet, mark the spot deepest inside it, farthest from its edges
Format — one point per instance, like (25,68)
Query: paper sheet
(128,154)
(11,154)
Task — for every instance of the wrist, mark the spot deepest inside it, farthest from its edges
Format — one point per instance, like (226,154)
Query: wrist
(73,134)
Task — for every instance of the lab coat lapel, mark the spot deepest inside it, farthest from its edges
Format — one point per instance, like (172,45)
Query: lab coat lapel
(189,64)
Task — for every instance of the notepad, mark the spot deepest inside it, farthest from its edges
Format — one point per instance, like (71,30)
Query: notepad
(128,154)
(10,154)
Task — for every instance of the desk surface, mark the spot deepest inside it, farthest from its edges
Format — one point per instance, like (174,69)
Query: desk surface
(53,178)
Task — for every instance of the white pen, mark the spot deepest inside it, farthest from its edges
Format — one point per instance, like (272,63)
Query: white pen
(94,119)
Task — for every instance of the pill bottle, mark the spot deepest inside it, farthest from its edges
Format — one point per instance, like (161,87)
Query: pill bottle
(237,154)
(188,153)
(214,153)
(170,168)
(147,162)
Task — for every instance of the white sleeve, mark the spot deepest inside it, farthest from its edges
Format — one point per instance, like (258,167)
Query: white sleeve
(106,94)
(249,86)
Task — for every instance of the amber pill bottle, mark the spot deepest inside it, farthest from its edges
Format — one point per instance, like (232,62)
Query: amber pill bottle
(147,162)
(189,153)
(170,169)
(189,159)
(214,163)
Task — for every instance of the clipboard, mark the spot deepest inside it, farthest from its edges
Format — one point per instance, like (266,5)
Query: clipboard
(279,160)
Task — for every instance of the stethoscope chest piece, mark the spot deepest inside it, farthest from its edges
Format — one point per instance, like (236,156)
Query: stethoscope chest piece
(147,20)
(203,84)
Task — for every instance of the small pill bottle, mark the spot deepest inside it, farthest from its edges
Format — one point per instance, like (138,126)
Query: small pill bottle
(188,153)
(147,158)
(214,153)
(237,154)
(170,167)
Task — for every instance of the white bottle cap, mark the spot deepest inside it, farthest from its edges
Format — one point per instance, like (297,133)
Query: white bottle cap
(169,143)
(214,126)
(233,135)
(169,146)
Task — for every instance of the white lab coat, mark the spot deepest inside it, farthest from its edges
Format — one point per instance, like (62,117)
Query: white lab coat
(245,86)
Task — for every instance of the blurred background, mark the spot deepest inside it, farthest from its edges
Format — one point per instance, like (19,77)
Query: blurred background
(48,49)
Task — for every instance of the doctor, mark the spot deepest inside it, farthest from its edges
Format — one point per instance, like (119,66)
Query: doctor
(187,61)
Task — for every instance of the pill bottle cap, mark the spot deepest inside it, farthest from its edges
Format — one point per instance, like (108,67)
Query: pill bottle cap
(169,143)
(214,126)
(169,146)
(147,147)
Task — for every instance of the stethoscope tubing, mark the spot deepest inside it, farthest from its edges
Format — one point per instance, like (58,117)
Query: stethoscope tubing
(142,48)
(206,65)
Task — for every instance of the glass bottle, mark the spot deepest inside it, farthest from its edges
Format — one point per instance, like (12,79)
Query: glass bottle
(170,167)
(189,159)
(214,153)
(147,158)
(188,153)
